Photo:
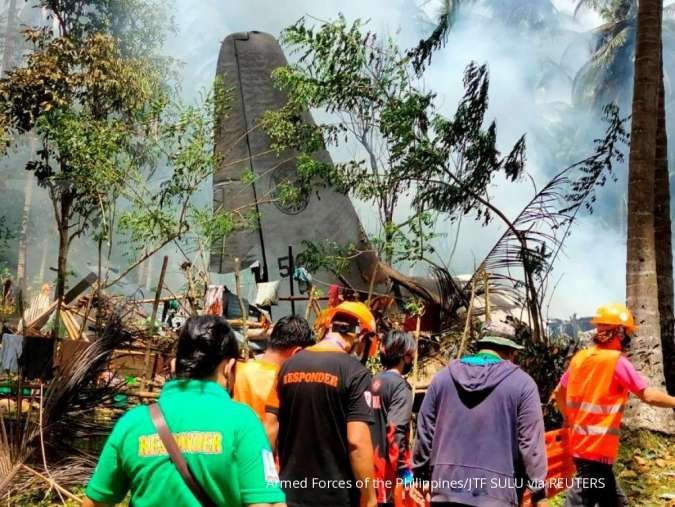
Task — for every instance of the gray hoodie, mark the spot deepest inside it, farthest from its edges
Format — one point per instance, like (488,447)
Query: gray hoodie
(480,434)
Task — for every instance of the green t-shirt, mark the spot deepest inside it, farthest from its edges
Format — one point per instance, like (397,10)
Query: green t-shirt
(222,440)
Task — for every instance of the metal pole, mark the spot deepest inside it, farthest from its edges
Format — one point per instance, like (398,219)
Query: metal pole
(291,264)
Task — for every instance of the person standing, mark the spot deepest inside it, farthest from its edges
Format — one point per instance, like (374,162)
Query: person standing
(222,441)
(319,415)
(591,396)
(481,422)
(392,405)
(255,378)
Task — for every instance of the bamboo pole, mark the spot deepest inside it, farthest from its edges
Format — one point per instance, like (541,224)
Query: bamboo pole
(467,325)
(486,283)
(155,306)
(310,302)
(244,315)
(372,284)
(52,483)
(415,372)
(86,312)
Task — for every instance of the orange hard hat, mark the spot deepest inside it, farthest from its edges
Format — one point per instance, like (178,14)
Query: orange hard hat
(355,309)
(615,314)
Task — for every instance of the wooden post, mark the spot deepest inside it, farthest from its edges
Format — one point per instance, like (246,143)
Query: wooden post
(467,325)
(486,287)
(372,284)
(415,371)
(291,270)
(153,317)
(242,307)
(310,302)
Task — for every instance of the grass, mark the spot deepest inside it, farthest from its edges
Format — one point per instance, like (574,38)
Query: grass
(645,469)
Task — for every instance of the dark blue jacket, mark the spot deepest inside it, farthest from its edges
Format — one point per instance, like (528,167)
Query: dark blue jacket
(480,434)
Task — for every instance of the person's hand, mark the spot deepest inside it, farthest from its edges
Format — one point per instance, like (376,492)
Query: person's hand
(368,498)
(416,495)
(368,501)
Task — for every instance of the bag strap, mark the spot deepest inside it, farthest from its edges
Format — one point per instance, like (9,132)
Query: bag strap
(177,456)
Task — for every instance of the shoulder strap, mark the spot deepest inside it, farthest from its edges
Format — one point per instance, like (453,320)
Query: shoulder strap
(177,456)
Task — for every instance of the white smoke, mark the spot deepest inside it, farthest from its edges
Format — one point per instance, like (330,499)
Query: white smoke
(531,73)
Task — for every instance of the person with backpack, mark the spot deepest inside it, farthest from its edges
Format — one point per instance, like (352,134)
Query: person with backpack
(196,446)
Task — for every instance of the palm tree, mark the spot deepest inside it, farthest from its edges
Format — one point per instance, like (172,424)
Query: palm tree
(664,247)
(533,15)
(603,79)
(641,278)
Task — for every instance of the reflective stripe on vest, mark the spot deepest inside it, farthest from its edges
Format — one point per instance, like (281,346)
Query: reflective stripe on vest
(594,430)
(594,410)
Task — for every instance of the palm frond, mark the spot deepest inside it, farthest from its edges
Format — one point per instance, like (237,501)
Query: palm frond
(68,408)
(445,20)
(521,260)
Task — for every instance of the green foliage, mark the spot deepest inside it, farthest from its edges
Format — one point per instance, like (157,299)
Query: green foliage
(404,146)
(97,96)
(327,256)
(6,233)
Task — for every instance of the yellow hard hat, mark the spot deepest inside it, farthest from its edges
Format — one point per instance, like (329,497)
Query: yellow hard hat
(355,309)
(615,314)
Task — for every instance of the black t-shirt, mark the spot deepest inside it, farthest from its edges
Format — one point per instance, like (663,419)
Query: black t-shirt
(319,390)
(392,405)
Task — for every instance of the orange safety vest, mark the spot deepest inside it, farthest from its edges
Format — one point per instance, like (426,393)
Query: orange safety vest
(594,412)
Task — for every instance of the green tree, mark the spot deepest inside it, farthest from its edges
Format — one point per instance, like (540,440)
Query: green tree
(445,164)
(361,81)
(94,94)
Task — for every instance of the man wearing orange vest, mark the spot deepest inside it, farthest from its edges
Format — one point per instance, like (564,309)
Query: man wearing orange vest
(254,379)
(591,396)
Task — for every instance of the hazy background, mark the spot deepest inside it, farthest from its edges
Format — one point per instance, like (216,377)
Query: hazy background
(533,49)
(526,96)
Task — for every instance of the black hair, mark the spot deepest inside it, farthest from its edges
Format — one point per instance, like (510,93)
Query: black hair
(290,332)
(203,343)
(395,346)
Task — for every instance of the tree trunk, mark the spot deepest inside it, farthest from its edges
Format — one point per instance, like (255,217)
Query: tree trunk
(9,38)
(43,261)
(641,281)
(664,244)
(23,232)
(23,235)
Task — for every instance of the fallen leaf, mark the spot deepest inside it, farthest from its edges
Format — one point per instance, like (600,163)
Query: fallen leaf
(640,461)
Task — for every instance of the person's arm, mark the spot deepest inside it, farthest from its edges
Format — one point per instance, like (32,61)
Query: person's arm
(271,424)
(630,379)
(88,502)
(561,401)
(361,459)
(256,469)
(398,417)
(531,444)
(271,420)
(426,428)
(359,416)
(109,484)
(657,398)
